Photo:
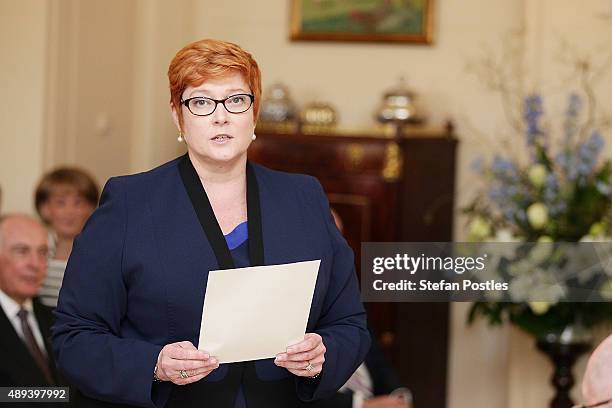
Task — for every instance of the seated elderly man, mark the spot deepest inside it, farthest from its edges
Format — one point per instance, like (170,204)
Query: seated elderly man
(24,322)
(597,381)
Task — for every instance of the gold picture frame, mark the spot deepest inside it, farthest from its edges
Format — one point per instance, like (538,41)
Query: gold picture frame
(399,21)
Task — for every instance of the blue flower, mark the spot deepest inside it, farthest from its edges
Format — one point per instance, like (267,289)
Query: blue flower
(502,165)
(505,170)
(551,188)
(603,188)
(574,107)
(572,170)
(584,169)
(551,181)
(588,154)
(477,164)
(574,104)
(512,191)
(596,142)
(557,208)
(509,214)
(496,194)
(533,111)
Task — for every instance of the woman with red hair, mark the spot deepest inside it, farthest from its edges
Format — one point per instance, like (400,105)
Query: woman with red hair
(130,309)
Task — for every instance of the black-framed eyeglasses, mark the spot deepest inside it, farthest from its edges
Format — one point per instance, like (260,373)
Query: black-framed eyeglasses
(201,106)
(599,404)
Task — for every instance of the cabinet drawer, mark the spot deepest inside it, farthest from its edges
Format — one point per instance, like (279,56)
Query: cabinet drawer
(329,155)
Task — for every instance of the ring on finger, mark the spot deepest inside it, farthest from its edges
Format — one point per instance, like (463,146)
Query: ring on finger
(309,367)
(183,374)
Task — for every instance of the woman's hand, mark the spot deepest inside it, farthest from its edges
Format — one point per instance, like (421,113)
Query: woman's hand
(184,358)
(304,359)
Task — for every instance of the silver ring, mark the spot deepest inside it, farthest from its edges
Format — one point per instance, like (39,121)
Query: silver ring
(183,374)
(309,367)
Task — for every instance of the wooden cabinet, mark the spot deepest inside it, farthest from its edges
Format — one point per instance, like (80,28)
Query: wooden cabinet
(385,185)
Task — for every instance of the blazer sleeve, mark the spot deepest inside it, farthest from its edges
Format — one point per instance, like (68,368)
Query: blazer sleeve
(87,340)
(342,323)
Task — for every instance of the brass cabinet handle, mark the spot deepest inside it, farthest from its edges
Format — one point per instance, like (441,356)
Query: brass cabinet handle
(387,339)
(393,162)
(355,154)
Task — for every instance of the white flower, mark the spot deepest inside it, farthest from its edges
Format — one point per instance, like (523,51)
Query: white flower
(537,175)
(597,233)
(493,295)
(604,255)
(520,267)
(539,308)
(606,290)
(537,214)
(519,288)
(597,229)
(537,286)
(582,262)
(540,252)
(546,287)
(479,229)
(505,235)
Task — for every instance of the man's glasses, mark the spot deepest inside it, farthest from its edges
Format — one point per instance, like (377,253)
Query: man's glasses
(201,106)
(599,404)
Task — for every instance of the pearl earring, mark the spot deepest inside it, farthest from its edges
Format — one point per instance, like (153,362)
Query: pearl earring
(254,136)
(180,137)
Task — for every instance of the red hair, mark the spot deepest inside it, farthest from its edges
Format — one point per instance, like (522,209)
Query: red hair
(207,59)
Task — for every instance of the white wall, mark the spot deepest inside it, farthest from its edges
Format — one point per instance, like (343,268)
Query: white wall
(89,99)
(23,27)
(162,28)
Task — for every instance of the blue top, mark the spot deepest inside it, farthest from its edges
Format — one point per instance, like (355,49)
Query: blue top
(236,238)
(237,241)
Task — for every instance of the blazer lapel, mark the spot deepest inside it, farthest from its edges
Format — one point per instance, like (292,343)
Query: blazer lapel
(204,211)
(186,256)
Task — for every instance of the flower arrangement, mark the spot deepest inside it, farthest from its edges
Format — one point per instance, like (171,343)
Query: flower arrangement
(565,196)
(563,193)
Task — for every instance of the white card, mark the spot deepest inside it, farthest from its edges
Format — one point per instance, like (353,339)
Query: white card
(256,312)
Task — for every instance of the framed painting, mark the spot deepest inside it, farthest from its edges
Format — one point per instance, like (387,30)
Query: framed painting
(406,21)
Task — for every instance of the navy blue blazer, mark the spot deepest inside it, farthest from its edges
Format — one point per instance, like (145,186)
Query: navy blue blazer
(136,280)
